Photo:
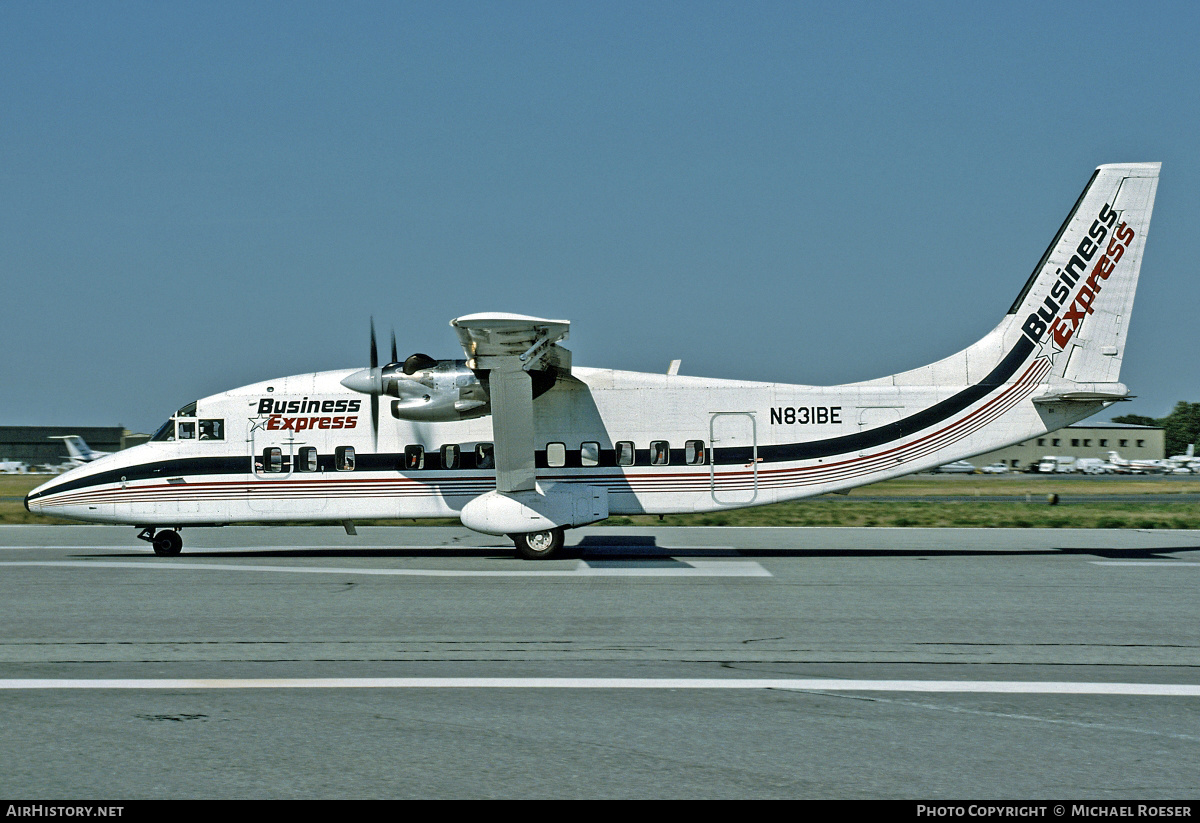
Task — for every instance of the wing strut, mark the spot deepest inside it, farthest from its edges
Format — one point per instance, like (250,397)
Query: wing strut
(508,347)
(512,428)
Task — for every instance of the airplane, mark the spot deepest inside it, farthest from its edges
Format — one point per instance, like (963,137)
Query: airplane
(515,440)
(13,467)
(1188,462)
(1124,466)
(80,452)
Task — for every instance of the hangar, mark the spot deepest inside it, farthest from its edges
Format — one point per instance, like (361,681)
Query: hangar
(1084,440)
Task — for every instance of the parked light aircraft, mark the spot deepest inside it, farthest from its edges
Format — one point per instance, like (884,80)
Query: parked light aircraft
(78,450)
(1188,461)
(13,467)
(1148,466)
(515,440)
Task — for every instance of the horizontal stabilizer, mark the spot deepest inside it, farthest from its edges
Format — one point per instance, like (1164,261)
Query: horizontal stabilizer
(1085,393)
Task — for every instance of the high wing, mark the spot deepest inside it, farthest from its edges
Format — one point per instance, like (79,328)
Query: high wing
(509,347)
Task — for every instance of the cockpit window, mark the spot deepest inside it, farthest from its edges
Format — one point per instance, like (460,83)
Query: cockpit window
(165,432)
(212,429)
(187,431)
(188,411)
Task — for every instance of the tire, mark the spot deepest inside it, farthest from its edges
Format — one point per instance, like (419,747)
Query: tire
(168,543)
(538,545)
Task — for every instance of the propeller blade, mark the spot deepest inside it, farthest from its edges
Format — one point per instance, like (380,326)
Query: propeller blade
(395,356)
(375,421)
(374,351)
(377,381)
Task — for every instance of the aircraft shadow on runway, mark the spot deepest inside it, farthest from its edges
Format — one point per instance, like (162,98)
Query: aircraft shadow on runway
(646,547)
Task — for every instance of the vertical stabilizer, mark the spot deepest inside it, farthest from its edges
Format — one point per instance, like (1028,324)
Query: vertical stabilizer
(1077,302)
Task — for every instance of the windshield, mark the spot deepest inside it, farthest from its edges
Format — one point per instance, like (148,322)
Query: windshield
(165,432)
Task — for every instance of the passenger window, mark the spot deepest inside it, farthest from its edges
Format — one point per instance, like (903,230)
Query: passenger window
(187,431)
(624,453)
(273,460)
(450,456)
(212,429)
(589,454)
(306,460)
(556,455)
(660,452)
(343,458)
(414,457)
(693,452)
(485,457)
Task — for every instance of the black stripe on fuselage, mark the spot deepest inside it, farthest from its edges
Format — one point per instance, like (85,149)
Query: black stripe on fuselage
(810,450)
(873,438)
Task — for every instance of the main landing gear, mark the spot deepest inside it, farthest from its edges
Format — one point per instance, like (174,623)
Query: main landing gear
(538,545)
(167,543)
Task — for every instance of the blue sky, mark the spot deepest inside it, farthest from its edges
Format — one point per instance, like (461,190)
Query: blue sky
(198,196)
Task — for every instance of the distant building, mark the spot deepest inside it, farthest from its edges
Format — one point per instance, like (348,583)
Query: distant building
(33,444)
(1083,440)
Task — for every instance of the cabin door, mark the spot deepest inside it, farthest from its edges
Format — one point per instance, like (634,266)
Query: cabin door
(733,468)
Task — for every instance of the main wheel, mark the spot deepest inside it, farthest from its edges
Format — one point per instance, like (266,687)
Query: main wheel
(538,545)
(168,543)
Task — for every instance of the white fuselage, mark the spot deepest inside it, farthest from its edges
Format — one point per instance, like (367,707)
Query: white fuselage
(696,445)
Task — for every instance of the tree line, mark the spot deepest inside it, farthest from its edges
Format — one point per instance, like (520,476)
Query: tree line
(1181,426)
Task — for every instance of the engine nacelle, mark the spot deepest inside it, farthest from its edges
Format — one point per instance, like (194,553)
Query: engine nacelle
(552,506)
(441,391)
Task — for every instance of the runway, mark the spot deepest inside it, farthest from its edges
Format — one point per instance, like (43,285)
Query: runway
(646,662)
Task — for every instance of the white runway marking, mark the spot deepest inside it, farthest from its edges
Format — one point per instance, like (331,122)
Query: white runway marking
(200,552)
(808,684)
(1162,563)
(596,568)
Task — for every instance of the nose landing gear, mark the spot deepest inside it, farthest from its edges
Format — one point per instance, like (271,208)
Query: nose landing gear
(167,543)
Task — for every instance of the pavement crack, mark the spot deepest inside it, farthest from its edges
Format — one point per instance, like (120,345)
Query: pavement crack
(1079,724)
(174,718)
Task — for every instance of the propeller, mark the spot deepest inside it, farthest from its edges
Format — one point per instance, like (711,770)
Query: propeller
(424,388)
(370,381)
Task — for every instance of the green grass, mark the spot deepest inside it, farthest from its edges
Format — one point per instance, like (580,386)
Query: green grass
(944,515)
(846,511)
